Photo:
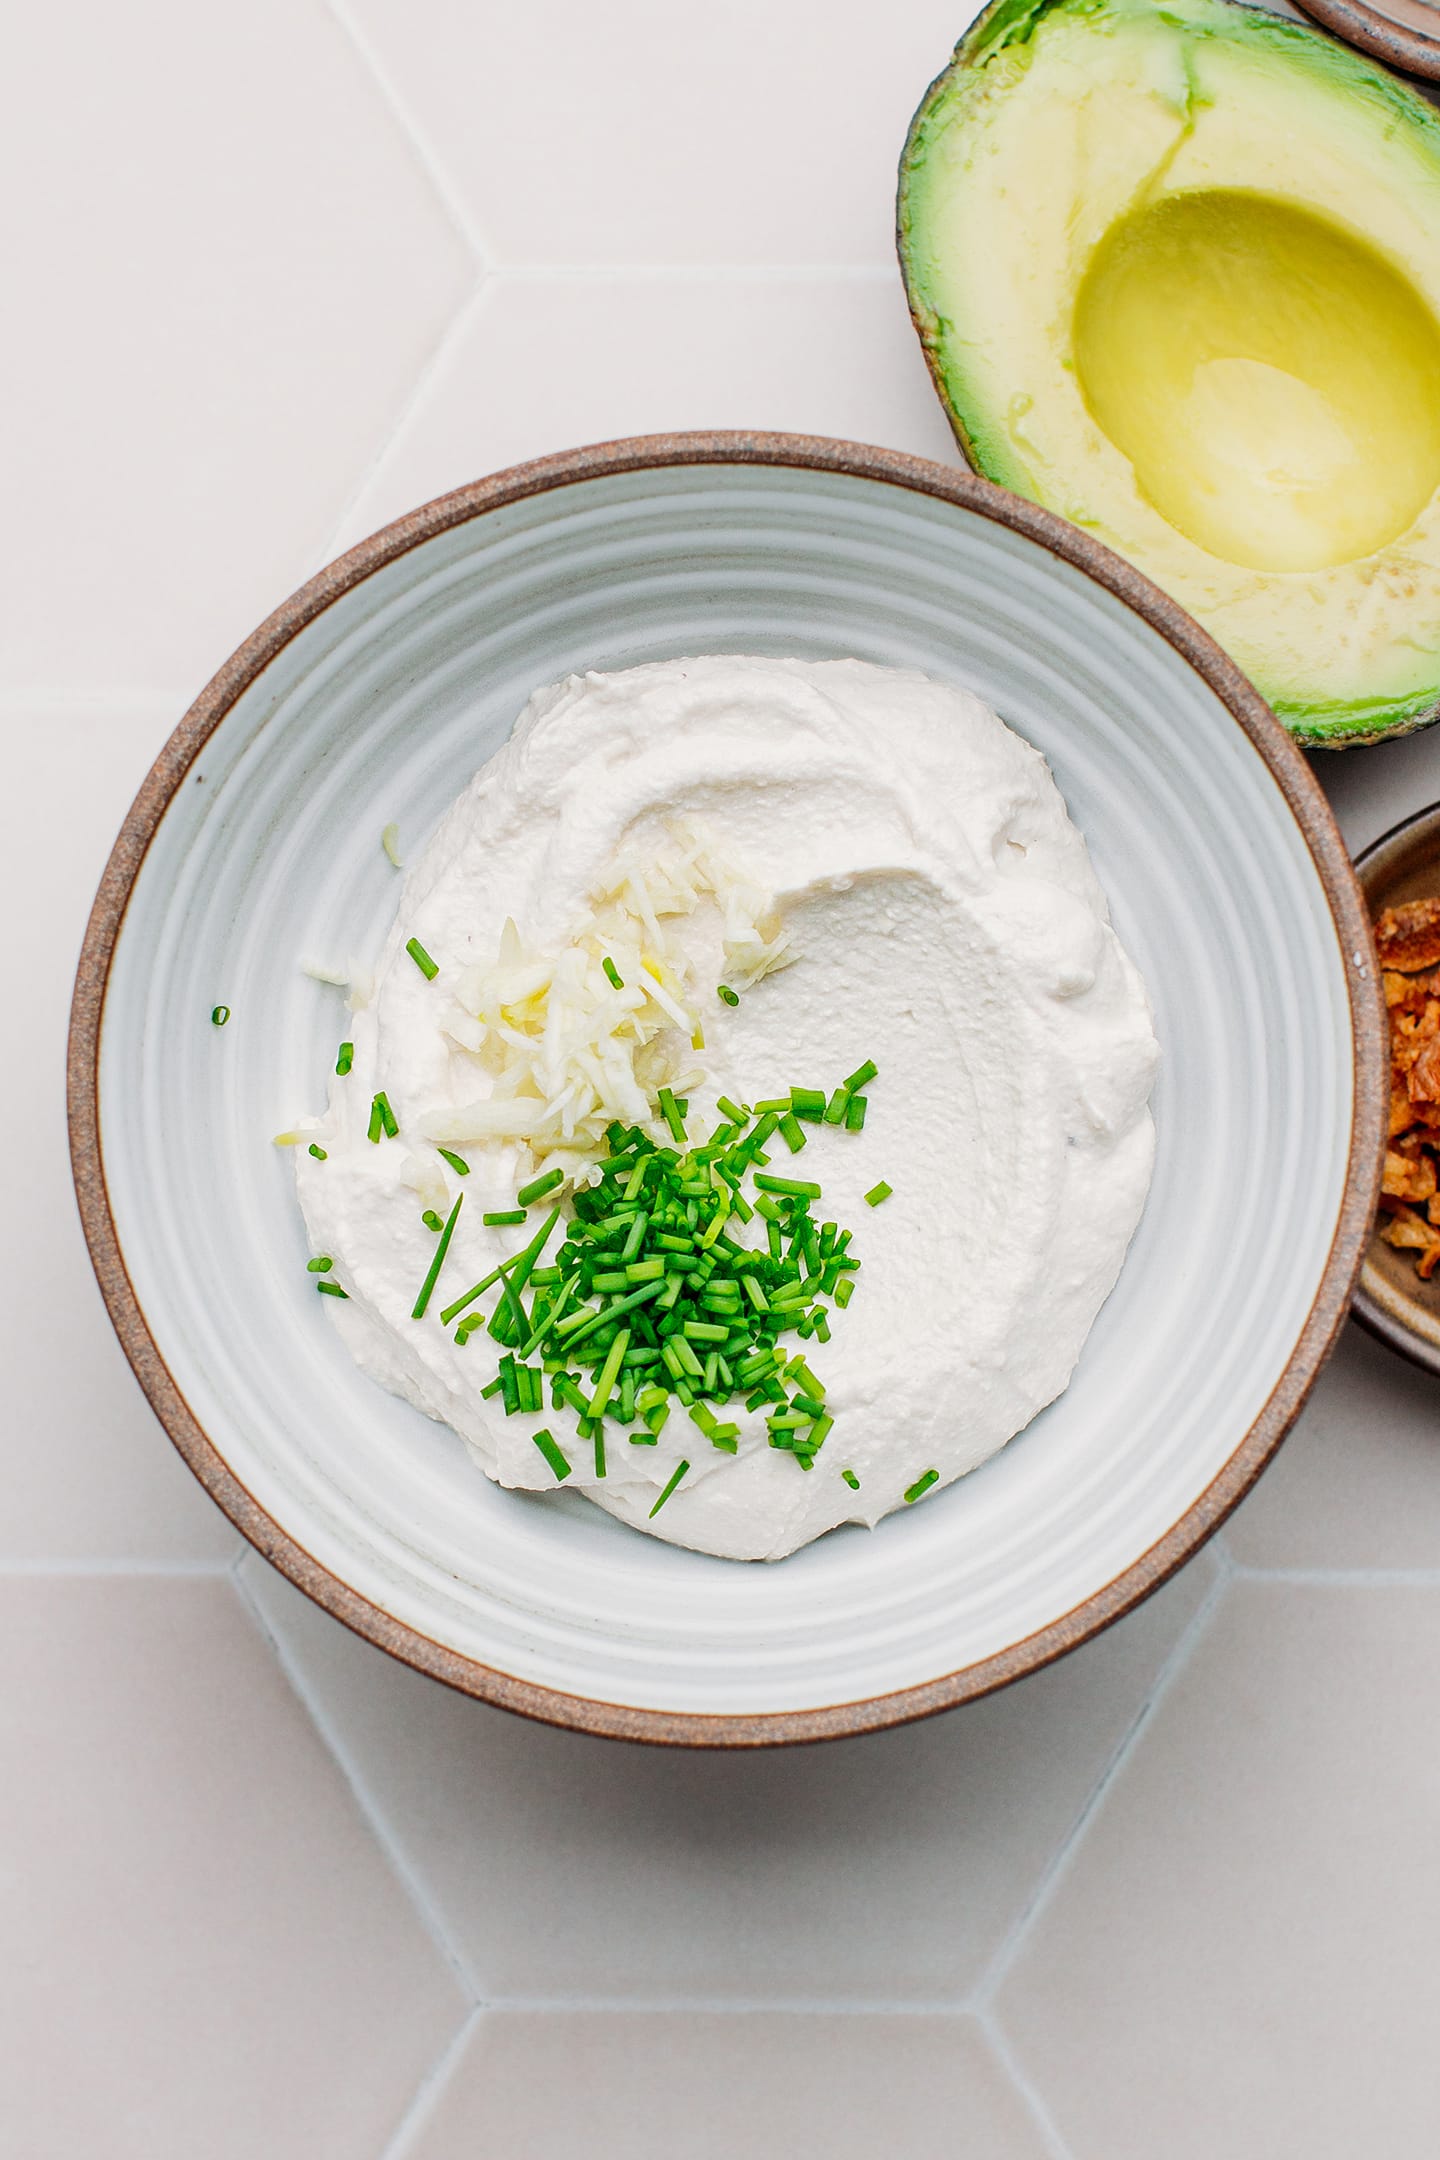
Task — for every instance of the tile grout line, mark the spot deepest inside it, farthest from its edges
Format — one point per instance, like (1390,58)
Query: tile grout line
(726,2006)
(432,2084)
(409,406)
(1029,2094)
(448,196)
(426,1910)
(995,1974)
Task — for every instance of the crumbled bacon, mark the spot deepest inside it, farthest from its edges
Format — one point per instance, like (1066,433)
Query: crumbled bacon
(1407,939)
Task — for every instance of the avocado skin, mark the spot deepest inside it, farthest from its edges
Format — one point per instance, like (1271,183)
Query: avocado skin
(1338,724)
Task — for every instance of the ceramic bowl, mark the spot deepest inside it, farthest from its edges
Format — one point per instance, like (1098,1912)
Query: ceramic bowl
(1392,1301)
(371,697)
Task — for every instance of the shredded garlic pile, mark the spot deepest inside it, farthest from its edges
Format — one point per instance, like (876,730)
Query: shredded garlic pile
(567,1049)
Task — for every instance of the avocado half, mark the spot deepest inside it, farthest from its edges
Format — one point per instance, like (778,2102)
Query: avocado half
(1176,269)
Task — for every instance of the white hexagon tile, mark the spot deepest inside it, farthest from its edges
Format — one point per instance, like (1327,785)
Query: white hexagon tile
(280,272)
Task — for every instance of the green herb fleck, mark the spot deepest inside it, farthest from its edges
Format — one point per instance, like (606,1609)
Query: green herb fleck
(726,995)
(318,1152)
(921,1485)
(428,967)
(675,1476)
(538,1187)
(320,1265)
(331,1289)
(502,1216)
(345,1058)
(612,973)
(219,1015)
(557,1461)
(457,1162)
(851,1480)
(877,1193)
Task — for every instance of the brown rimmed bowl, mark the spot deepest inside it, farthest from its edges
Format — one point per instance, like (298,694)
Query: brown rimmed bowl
(370,697)
(1392,1301)
(1405,34)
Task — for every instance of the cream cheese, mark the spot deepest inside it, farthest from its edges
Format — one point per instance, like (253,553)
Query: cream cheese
(941,917)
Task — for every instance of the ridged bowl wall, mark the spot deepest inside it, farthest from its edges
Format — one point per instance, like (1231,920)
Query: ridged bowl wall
(371,698)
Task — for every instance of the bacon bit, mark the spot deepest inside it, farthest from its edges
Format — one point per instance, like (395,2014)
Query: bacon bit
(1408,937)
(1409,1177)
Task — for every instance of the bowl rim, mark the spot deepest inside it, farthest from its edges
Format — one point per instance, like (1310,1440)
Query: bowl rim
(1381,35)
(1373,1310)
(1287,767)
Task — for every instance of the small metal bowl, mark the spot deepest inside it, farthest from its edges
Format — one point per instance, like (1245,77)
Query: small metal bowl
(1392,1301)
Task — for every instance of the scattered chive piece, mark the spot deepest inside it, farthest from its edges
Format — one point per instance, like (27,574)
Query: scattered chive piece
(538,1187)
(318,1152)
(612,973)
(726,995)
(844,1291)
(521,1263)
(851,1480)
(837,1106)
(457,1162)
(736,1112)
(331,1289)
(502,1216)
(345,1058)
(428,967)
(791,1132)
(855,1110)
(675,1476)
(382,1119)
(219,1015)
(922,1485)
(390,841)
(320,1265)
(417,1311)
(808,1103)
(546,1444)
(861,1077)
(599,1448)
(673,1116)
(877,1193)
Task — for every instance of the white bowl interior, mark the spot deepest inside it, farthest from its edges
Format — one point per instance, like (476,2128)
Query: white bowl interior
(270,855)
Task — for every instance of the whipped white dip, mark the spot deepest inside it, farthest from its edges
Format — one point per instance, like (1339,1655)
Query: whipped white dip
(944,921)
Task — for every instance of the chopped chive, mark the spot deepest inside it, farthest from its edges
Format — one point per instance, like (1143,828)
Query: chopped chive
(837,1106)
(558,1462)
(861,1077)
(457,1162)
(792,1133)
(599,1448)
(612,973)
(673,1115)
(808,1103)
(431,1220)
(320,1265)
(726,995)
(502,1216)
(855,1110)
(345,1058)
(528,1253)
(675,1476)
(877,1193)
(797,1188)
(318,1152)
(219,1014)
(330,1289)
(417,1311)
(922,1485)
(538,1187)
(851,1480)
(609,1371)
(382,1118)
(736,1112)
(428,967)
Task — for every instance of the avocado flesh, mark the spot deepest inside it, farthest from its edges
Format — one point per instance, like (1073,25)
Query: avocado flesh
(1177,271)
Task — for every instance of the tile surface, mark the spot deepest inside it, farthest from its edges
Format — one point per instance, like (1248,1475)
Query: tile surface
(643,133)
(206,1952)
(1240,1957)
(822,356)
(230,266)
(676,2086)
(887,1868)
